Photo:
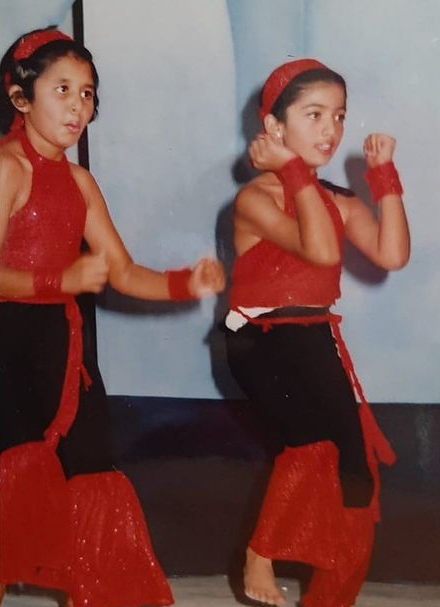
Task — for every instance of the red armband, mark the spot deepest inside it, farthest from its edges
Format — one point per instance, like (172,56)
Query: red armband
(295,175)
(178,284)
(47,283)
(383,179)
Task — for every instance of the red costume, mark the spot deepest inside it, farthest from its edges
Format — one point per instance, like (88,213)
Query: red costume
(85,535)
(322,498)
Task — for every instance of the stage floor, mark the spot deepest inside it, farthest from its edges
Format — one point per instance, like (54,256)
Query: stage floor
(215,592)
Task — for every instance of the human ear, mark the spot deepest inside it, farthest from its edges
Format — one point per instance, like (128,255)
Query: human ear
(18,99)
(273,127)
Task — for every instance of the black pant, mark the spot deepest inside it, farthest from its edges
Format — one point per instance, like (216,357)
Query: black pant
(33,354)
(294,377)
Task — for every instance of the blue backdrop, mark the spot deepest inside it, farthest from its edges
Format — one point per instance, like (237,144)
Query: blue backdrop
(179,79)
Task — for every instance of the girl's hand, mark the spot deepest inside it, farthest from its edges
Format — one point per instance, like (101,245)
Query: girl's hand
(207,278)
(88,274)
(378,149)
(268,153)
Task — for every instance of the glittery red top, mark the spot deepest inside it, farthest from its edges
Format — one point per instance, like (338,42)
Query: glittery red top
(46,234)
(266,275)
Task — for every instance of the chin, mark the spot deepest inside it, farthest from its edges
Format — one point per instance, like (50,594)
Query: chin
(316,164)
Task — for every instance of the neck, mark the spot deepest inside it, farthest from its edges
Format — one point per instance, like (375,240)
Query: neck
(41,145)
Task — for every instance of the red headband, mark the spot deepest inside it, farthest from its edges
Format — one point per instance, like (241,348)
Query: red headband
(31,42)
(280,78)
(26,48)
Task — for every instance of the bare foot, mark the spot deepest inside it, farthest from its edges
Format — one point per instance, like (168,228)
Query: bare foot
(259,580)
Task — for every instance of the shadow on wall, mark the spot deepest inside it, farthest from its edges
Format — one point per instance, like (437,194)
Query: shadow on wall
(242,172)
(353,261)
(113,301)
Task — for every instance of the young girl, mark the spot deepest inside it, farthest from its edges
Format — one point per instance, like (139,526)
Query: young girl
(284,345)
(86,536)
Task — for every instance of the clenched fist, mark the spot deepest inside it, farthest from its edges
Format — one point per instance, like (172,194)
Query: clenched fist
(268,153)
(88,274)
(207,278)
(378,149)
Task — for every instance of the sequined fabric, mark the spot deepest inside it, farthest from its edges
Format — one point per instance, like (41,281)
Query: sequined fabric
(46,234)
(47,231)
(383,179)
(113,561)
(280,78)
(32,42)
(267,275)
(86,536)
(33,514)
(302,519)
(339,586)
(377,448)
(293,524)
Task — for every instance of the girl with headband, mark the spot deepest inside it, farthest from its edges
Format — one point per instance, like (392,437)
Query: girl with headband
(284,345)
(68,520)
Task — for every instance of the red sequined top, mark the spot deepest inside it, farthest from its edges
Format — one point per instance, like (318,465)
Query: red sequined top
(46,234)
(268,276)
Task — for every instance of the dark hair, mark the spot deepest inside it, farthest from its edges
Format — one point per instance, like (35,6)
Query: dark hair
(297,85)
(26,71)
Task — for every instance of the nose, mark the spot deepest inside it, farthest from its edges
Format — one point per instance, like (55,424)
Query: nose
(76,103)
(328,126)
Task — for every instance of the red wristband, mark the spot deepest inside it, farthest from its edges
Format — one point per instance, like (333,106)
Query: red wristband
(383,179)
(295,175)
(47,283)
(178,284)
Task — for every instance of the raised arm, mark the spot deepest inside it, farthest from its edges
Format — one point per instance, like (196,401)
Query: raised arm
(126,276)
(384,239)
(311,232)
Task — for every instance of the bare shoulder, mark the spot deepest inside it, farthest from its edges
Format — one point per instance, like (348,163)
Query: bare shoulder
(263,190)
(80,174)
(85,181)
(14,167)
(12,157)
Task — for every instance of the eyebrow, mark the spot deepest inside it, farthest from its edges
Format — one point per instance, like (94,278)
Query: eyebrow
(321,106)
(67,81)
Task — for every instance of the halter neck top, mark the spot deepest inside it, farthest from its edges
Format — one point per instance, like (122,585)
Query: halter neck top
(268,276)
(46,233)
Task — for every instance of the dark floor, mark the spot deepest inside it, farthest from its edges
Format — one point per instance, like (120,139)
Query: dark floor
(200,468)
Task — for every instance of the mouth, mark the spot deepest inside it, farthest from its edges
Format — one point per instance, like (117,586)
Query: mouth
(73,127)
(324,148)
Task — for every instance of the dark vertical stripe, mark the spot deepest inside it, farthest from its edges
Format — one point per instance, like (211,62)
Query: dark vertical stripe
(86,301)
(78,34)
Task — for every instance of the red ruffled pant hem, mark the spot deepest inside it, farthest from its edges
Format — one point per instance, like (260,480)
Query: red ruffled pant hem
(302,519)
(86,536)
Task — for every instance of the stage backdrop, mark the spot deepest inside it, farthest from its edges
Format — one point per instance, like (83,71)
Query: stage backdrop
(179,79)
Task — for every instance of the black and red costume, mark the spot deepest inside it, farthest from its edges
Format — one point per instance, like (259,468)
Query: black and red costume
(68,519)
(287,355)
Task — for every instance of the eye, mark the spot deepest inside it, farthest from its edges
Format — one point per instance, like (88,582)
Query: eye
(62,88)
(88,94)
(314,115)
(340,117)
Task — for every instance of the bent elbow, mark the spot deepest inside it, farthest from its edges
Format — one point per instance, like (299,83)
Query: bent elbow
(326,258)
(396,264)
